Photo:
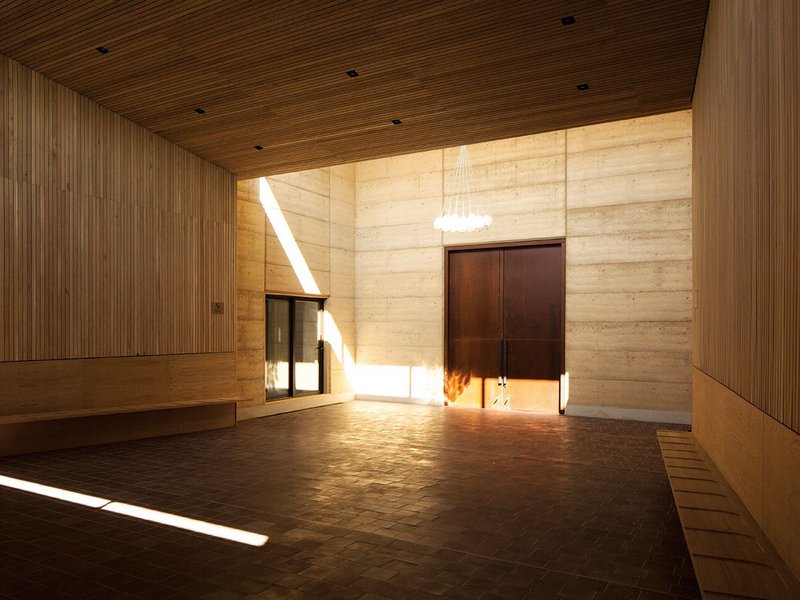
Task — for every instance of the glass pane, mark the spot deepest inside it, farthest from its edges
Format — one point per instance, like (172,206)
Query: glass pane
(306,346)
(278,339)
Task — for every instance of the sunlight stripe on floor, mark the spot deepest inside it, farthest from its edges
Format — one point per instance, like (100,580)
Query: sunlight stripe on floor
(53,492)
(212,529)
(138,512)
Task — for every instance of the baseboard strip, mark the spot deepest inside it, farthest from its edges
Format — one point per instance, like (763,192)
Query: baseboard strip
(278,407)
(630,414)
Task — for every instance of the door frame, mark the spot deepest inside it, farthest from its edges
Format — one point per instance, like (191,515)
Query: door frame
(560,241)
(292,300)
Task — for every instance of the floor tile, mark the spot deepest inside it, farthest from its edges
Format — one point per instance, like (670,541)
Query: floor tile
(360,500)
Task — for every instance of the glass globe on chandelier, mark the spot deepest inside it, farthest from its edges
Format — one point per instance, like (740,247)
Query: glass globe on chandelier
(457,213)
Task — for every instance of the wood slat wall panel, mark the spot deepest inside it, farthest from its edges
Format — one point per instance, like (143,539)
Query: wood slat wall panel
(746,229)
(274,74)
(784,214)
(114,241)
(747,192)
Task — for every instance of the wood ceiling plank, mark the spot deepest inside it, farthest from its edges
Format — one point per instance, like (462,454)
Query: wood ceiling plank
(456,71)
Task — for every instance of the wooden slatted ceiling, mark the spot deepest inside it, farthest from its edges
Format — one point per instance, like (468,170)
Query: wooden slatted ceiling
(746,223)
(273,74)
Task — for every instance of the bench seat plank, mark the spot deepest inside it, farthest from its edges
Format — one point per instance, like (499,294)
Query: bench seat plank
(731,555)
(111,410)
(38,432)
(736,546)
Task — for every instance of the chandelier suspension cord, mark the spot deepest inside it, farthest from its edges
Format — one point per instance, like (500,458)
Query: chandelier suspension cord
(458,213)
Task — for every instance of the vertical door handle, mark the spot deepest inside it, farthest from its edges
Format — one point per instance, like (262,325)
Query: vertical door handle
(504,357)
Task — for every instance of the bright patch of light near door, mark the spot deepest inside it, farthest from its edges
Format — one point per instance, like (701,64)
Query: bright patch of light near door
(53,492)
(139,512)
(286,238)
(564,390)
(383,380)
(156,516)
(427,384)
(400,381)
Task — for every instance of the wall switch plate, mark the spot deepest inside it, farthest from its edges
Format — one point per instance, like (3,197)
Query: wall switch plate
(217,308)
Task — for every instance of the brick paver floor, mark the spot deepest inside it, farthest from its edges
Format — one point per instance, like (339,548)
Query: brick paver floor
(360,500)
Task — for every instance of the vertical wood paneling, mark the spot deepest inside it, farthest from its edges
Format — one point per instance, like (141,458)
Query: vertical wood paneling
(746,196)
(746,343)
(114,241)
(784,213)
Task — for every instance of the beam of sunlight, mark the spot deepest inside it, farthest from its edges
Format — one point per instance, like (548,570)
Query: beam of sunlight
(53,492)
(138,512)
(212,529)
(334,338)
(564,399)
(285,237)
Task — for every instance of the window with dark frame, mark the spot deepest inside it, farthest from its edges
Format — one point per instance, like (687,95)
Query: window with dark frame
(294,347)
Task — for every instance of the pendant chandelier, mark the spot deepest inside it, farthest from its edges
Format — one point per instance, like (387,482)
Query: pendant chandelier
(457,214)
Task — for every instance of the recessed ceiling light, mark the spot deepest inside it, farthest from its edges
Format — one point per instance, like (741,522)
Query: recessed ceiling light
(583,86)
(258,147)
(352,73)
(199,111)
(396,121)
(570,20)
(103,50)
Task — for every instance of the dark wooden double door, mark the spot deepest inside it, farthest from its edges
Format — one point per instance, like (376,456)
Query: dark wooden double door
(505,323)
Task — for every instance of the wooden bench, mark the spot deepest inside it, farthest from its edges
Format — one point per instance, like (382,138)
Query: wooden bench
(37,432)
(731,555)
